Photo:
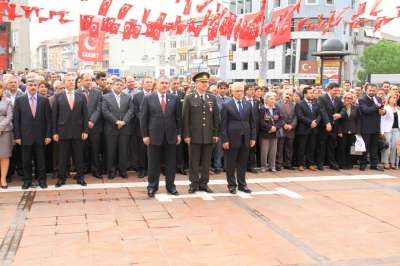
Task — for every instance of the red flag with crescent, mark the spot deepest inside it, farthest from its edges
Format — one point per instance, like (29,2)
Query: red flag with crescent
(91,48)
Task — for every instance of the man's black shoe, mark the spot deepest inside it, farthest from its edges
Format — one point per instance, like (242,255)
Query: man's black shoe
(363,167)
(245,190)
(60,183)
(81,182)
(377,168)
(320,167)
(192,189)
(43,185)
(232,190)
(151,193)
(26,185)
(111,175)
(124,175)
(141,174)
(173,192)
(335,167)
(206,189)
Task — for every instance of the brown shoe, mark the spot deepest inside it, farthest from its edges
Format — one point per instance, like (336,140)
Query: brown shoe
(312,168)
(301,168)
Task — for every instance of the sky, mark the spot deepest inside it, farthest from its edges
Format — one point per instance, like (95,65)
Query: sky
(52,29)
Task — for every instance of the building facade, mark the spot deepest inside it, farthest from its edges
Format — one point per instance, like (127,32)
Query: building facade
(183,55)
(60,55)
(293,60)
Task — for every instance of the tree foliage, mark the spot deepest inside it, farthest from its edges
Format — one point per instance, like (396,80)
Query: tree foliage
(381,58)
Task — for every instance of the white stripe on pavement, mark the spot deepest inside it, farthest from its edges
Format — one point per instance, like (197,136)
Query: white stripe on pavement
(163,197)
(212,182)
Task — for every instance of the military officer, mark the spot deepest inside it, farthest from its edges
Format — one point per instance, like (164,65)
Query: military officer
(200,131)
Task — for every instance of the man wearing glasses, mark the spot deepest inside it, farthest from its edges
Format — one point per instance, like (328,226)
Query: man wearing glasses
(200,131)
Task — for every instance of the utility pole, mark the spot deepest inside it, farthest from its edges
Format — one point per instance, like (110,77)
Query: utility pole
(263,51)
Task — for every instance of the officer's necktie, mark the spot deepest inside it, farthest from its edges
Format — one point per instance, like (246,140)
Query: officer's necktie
(241,111)
(163,104)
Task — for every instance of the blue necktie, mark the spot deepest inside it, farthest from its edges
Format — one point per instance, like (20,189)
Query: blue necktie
(241,111)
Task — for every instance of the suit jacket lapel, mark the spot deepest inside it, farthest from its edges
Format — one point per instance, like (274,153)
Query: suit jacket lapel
(233,105)
(28,105)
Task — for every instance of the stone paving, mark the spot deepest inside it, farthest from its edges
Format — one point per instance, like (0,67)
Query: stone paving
(330,222)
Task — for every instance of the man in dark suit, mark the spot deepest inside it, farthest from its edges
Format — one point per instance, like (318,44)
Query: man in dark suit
(287,133)
(201,130)
(92,146)
(160,123)
(181,156)
(32,130)
(238,134)
(117,110)
(371,109)
(308,119)
(250,91)
(331,107)
(70,129)
(138,149)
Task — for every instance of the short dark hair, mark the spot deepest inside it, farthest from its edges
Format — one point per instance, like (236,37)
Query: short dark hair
(347,81)
(248,87)
(306,89)
(222,84)
(100,75)
(332,85)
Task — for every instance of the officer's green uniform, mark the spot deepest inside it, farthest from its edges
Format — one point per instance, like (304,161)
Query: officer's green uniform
(200,123)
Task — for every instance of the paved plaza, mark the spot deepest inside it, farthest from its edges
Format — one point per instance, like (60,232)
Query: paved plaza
(292,218)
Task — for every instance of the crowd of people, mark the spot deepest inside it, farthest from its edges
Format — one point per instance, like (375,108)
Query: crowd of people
(106,125)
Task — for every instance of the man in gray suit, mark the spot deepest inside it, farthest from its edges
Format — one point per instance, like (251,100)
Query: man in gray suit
(95,125)
(117,110)
(287,133)
(13,92)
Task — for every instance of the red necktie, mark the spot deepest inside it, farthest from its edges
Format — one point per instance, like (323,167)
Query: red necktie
(163,104)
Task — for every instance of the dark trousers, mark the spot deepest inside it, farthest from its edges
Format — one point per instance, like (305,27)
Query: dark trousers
(34,152)
(252,157)
(68,147)
(343,150)
(181,158)
(305,149)
(284,155)
(371,145)
(117,152)
(199,163)
(326,148)
(236,161)
(15,161)
(92,152)
(140,154)
(165,153)
(217,155)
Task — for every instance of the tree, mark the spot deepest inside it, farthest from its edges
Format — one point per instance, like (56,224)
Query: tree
(380,58)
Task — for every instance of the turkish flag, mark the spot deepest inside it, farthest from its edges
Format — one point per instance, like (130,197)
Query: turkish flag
(282,20)
(249,30)
(91,49)
(105,5)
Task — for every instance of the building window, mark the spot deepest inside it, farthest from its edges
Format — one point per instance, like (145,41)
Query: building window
(292,2)
(182,57)
(233,47)
(329,2)
(271,64)
(277,3)
(182,43)
(173,44)
(257,45)
(245,48)
(311,2)
(256,66)
(245,66)
(233,66)
(307,48)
